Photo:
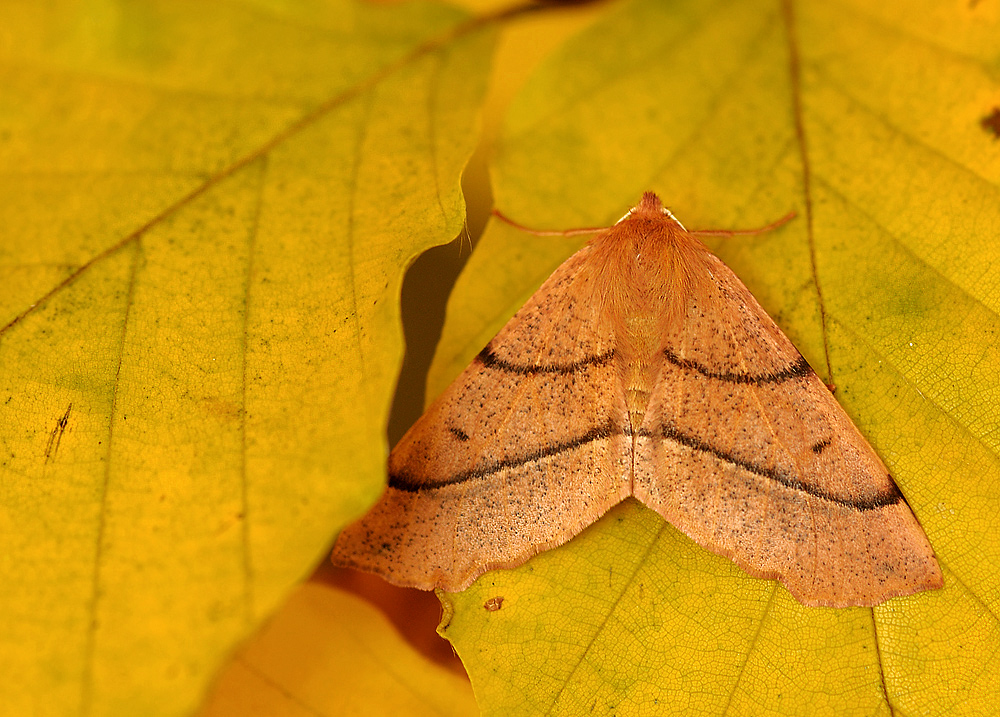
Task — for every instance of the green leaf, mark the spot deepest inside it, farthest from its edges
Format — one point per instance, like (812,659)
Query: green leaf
(866,120)
(207,211)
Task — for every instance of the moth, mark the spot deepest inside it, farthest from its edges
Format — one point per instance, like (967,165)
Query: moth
(644,368)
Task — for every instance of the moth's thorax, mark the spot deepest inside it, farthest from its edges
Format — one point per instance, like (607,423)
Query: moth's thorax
(643,270)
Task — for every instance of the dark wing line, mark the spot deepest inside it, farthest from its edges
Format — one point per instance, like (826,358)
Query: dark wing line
(489,359)
(672,434)
(797,370)
(405,482)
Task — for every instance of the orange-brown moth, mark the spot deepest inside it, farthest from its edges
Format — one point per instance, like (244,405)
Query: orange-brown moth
(643,367)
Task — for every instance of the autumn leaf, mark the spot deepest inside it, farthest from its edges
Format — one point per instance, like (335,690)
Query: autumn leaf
(868,120)
(328,652)
(207,212)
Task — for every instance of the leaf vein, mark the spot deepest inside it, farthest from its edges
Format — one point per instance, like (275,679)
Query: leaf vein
(90,643)
(607,616)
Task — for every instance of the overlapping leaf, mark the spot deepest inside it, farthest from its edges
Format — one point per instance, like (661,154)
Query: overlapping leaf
(206,213)
(330,653)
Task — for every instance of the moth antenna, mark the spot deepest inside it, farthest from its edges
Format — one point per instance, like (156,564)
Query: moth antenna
(543,232)
(743,232)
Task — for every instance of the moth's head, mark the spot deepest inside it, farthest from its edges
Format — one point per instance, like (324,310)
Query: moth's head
(650,207)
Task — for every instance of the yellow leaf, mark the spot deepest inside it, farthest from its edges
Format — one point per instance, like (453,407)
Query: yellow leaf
(207,209)
(867,119)
(328,652)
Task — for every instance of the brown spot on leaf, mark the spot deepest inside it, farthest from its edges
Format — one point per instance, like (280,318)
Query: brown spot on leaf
(55,438)
(494,603)
(222,408)
(991,123)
